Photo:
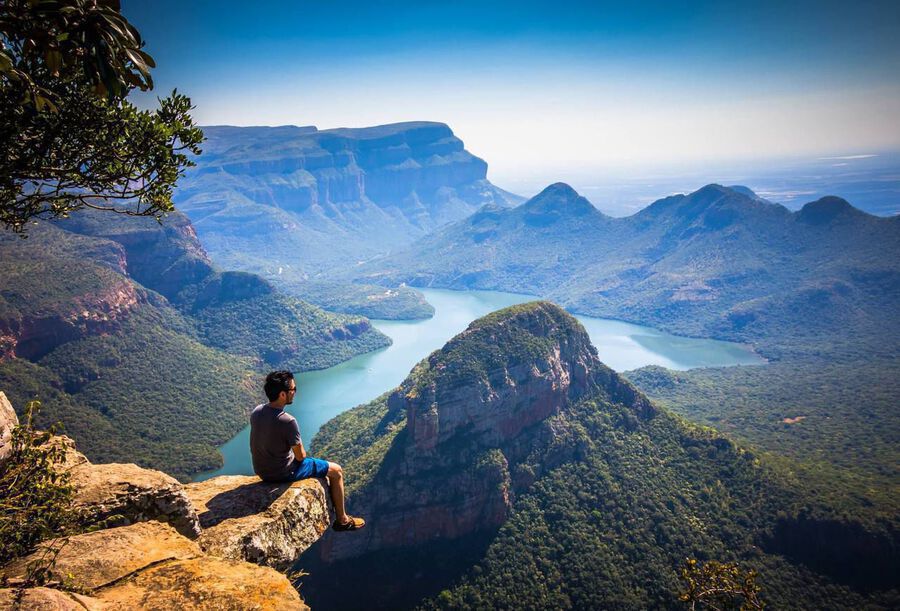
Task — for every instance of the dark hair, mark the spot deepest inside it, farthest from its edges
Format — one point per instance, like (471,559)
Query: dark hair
(276,383)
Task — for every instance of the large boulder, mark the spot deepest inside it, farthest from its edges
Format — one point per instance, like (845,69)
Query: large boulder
(8,420)
(97,559)
(244,518)
(123,494)
(204,583)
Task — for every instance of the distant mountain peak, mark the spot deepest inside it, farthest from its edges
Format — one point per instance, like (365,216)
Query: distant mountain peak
(558,189)
(715,191)
(691,204)
(826,209)
(745,190)
(559,199)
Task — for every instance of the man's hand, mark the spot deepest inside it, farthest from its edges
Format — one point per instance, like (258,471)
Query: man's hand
(299,451)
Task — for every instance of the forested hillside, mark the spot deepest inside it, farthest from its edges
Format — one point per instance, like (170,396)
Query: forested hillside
(716,262)
(513,469)
(815,291)
(140,347)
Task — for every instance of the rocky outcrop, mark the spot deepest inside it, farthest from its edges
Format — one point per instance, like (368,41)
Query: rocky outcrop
(150,551)
(484,417)
(517,388)
(101,558)
(47,599)
(121,494)
(150,566)
(203,584)
(264,523)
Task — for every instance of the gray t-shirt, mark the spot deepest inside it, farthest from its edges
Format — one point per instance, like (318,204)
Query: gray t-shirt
(273,432)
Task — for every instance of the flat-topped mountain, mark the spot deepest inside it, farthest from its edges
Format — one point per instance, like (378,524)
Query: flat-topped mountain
(142,348)
(718,261)
(293,203)
(512,465)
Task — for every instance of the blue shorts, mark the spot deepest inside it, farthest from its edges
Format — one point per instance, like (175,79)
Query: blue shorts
(310,467)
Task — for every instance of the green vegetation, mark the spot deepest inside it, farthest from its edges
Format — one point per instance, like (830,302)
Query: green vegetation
(608,507)
(37,498)
(489,343)
(815,411)
(71,138)
(131,375)
(285,333)
(610,529)
(369,300)
(147,394)
(719,586)
(837,421)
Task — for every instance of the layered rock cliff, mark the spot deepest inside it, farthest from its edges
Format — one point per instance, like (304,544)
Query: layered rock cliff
(297,204)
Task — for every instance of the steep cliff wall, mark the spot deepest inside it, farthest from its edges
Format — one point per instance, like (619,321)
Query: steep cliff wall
(308,201)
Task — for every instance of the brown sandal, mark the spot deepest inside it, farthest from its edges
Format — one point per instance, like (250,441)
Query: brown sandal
(351,524)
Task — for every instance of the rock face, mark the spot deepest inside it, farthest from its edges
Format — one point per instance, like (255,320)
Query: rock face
(508,386)
(151,557)
(125,493)
(205,583)
(165,258)
(150,566)
(321,199)
(104,557)
(33,335)
(474,411)
(47,599)
(268,524)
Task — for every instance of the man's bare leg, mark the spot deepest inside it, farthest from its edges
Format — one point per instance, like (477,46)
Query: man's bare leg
(342,521)
(336,485)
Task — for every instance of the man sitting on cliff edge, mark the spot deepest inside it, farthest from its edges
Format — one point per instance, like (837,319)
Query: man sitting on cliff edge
(278,453)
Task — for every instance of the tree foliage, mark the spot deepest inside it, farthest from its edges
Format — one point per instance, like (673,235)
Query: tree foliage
(37,498)
(70,139)
(719,586)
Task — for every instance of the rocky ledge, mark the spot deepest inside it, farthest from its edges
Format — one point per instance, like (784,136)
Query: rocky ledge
(243,518)
(163,545)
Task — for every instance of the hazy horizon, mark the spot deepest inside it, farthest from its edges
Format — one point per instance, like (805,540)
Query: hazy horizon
(531,84)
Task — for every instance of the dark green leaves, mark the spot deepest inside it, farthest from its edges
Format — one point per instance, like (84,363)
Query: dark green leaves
(71,138)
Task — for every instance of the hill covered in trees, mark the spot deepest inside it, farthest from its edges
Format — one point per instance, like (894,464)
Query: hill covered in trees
(513,469)
(718,262)
(140,347)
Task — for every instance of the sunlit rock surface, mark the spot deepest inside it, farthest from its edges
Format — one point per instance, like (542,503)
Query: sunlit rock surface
(264,523)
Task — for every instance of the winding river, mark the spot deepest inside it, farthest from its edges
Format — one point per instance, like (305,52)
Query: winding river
(325,394)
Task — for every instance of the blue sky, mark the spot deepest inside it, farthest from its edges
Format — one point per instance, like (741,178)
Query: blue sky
(532,85)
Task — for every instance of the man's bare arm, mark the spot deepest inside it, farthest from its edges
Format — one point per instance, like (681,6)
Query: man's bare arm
(299,451)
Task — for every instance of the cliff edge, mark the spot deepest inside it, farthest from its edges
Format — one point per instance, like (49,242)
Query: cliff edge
(217,544)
